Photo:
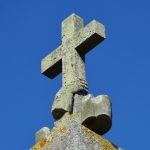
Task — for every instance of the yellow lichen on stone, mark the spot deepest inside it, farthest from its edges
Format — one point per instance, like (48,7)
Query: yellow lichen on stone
(86,131)
(71,116)
(97,137)
(106,145)
(40,144)
(53,135)
(63,129)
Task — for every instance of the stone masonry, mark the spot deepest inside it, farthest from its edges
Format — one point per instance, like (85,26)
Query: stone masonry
(80,118)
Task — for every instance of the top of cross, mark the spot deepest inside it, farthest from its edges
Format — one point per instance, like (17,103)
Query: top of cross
(82,39)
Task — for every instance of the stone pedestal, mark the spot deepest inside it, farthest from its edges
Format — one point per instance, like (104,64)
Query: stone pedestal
(69,134)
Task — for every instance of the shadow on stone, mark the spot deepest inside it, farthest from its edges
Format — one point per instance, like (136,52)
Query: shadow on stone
(100,124)
(58,113)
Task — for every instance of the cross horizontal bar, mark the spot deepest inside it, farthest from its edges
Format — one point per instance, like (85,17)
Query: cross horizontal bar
(51,65)
(85,39)
(90,36)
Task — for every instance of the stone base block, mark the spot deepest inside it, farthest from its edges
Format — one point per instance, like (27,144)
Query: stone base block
(69,134)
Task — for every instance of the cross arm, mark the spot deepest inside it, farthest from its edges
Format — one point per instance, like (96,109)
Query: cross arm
(51,65)
(90,36)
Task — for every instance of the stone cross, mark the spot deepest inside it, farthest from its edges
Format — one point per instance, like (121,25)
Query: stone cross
(69,58)
(80,118)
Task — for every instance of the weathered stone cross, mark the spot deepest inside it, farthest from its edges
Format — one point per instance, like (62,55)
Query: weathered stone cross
(68,58)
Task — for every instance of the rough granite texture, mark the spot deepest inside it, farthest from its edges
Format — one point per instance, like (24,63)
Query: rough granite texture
(69,134)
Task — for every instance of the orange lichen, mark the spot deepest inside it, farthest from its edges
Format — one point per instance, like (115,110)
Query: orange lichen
(40,144)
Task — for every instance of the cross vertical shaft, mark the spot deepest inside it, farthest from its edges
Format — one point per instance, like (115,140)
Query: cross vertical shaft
(73,65)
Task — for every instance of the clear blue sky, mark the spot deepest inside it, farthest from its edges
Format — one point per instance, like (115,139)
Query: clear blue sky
(119,67)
